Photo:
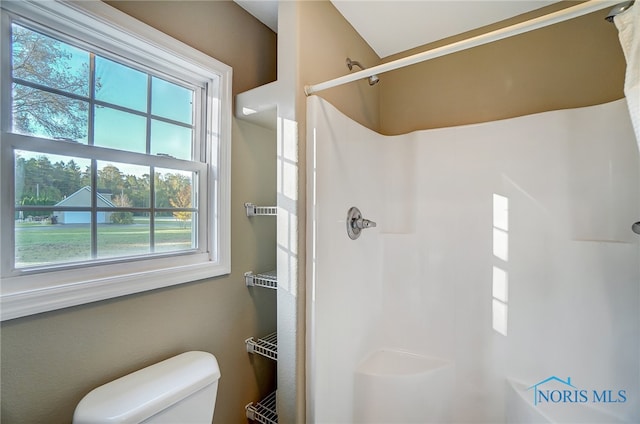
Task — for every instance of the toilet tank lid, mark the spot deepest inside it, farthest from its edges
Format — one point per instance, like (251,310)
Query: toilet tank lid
(144,393)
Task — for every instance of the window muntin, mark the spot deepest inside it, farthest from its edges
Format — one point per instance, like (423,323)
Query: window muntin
(121,42)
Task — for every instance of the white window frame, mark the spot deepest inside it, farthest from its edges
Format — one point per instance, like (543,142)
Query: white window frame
(96,23)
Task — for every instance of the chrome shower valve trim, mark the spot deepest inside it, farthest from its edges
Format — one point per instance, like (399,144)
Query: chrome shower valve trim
(356,223)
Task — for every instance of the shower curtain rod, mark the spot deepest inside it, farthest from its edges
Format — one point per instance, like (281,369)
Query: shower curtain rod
(499,34)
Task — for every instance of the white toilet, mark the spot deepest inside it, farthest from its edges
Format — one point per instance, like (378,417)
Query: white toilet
(181,389)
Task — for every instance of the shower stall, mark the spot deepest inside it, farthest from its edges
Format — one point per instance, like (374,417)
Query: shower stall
(500,284)
(479,273)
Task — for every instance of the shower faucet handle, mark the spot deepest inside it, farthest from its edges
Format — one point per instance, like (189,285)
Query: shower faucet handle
(363,223)
(356,223)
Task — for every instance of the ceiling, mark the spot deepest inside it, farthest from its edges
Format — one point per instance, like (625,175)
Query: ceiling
(392,26)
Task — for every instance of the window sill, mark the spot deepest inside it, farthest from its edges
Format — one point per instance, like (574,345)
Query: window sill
(37,300)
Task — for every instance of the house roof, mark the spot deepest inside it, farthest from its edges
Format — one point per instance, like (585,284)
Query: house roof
(82,197)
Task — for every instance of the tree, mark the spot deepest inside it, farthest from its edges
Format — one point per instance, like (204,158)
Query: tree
(72,178)
(167,187)
(51,63)
(122,201)
(138,190)
(65,177)
(34,180)
(111,178)
(182,199)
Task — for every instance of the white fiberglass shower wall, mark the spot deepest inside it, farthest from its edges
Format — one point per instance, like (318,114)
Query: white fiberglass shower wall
(501,284)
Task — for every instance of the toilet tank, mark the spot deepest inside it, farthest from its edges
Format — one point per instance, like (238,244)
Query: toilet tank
(181,389)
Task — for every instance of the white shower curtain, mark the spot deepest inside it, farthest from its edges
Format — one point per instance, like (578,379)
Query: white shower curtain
(628,24)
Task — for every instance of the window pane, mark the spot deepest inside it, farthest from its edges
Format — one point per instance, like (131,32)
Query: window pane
(121,185)
(171,101)
(49,62)
(170,140)
(120,85)
(175,232)
(120,130)
(122,232)
(44,114)
(39,242)
(50,180)
(118,240)
(173,188)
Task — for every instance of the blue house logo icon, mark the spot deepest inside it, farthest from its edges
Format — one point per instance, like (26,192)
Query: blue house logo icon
(540,395)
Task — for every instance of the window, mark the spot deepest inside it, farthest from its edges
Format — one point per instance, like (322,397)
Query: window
(114,158)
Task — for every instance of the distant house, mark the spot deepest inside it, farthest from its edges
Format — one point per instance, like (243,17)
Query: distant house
(82,198)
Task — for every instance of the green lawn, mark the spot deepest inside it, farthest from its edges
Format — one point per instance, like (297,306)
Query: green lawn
(41,243)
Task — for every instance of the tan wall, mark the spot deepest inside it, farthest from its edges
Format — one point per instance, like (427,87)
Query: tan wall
(572,64)
(50,361)
(219,28)
(326,40)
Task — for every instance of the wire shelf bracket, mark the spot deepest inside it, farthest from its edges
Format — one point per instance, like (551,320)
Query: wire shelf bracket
(268,280)
(253,210)
(264,411)
(266,346)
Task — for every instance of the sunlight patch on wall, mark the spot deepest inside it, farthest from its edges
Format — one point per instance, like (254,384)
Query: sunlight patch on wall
(500,284)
